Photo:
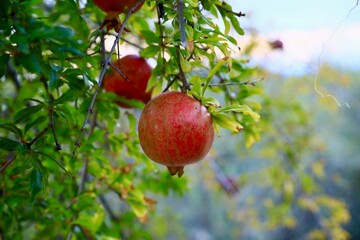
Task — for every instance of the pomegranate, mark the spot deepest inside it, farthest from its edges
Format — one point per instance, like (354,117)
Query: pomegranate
(175,130)
(117,6)
(137,72)
(113,8)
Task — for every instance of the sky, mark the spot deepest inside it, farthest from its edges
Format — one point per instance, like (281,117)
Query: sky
(313,31)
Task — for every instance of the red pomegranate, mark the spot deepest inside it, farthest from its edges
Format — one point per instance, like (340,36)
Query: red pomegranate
(175,130)
(137,72)
(113,8)
(117,6)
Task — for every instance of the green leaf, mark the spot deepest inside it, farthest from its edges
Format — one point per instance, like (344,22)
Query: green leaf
(150,37)
(132,121)
(65,97)
(226,122)
(3,63)
(26,164)
(244,109)
(196,86)
(213,72)
(185,65)
(149,51)
(54,32)
(37,121)
(56,162)
(35,182)
(75,83)
(12,128)
(193,3)
(22,149)
(34,100)
(210,101)
(30,62)
(131,102)
(53,80)
(38,179)
(236,24)
(91,222)
(7,144)
(26,113)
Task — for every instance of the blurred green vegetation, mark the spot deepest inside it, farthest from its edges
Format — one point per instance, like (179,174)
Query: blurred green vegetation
(298,182)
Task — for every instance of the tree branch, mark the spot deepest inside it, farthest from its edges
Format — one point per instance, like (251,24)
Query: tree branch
(102,74)
(10,158)
(119,71)
(181,19)
(51,112)
(39,135)
(160,16)
(108,208)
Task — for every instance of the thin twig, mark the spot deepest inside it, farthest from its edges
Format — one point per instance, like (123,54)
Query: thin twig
(52,125)
(119,71)
(83,176)
(181,19)
(108,208)
(239,14)
(160,16)
(131,43)
(51,112)
(77,57)
(170,84)
(11,157)
(39,135)
(102,74)
(127,41)
(252,83)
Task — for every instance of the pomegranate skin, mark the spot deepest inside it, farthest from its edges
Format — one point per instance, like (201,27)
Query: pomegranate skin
(138,73)
(175,130)
(117,6)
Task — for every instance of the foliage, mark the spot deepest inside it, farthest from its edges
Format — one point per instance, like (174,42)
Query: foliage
(290,186)
(71,159)
(52,54)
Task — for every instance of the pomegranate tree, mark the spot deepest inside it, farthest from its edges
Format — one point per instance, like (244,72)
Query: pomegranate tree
(175,130)
(137,72)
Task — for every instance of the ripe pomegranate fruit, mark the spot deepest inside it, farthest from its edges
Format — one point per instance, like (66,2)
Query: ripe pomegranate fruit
(117,6)
(137,72)
(175,130)
(113,8)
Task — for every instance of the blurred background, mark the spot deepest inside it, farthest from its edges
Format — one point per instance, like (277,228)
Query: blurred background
(300,181)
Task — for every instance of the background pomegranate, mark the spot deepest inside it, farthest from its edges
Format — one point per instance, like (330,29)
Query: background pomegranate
(117,6)
(138,73)
(175,130)
(113,8)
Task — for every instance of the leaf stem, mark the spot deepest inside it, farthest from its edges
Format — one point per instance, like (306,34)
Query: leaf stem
(239,14)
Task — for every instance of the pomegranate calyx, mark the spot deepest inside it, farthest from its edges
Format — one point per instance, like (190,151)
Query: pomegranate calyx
(179,170)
